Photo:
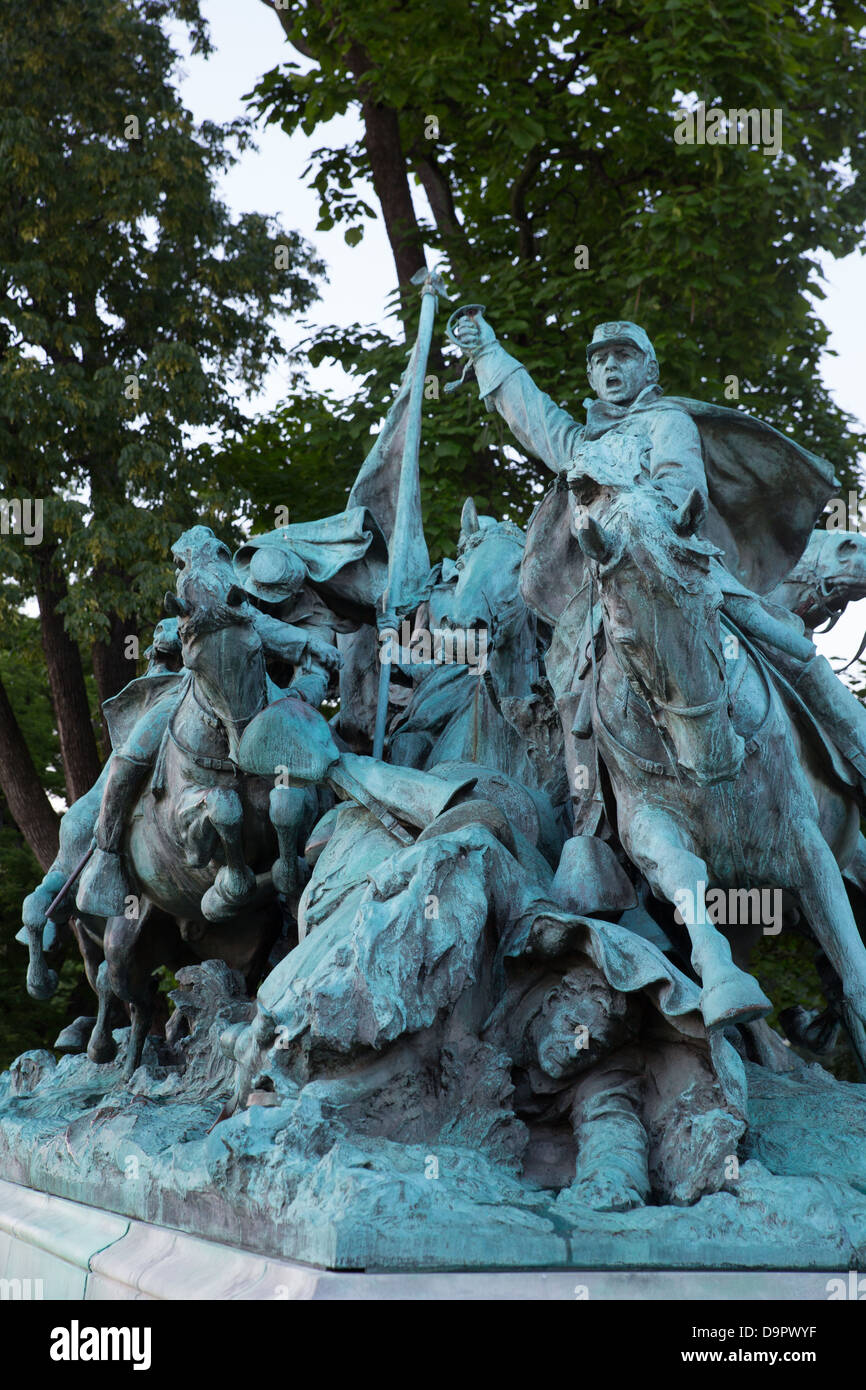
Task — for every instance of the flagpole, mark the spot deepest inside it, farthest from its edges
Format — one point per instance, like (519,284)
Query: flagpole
(407,493)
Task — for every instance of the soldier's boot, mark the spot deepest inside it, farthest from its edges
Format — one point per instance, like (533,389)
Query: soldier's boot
(830,700)
(612,1143)
(104,886)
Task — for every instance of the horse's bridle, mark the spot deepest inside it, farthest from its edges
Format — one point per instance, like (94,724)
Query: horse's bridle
(696,711)
(217,721)
(635,679)
(203,760)
(830,603)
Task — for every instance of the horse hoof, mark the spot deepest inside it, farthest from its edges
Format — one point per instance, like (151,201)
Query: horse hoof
(285,881)
(42,986)
(737,999)
(102,1050)
(75,1036)
(214,907)
(217,906)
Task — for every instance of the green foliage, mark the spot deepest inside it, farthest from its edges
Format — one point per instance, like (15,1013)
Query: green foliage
(134,310)
(556,130)
(24,1022)
(23,675)
(132,305)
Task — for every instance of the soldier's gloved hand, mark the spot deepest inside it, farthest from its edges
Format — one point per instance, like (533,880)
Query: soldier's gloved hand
(323,653)
(474,334)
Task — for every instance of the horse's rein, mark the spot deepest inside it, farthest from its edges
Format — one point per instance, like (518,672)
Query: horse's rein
(202,760)
(629,676)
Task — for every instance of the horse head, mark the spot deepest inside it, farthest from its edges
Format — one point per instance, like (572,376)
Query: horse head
(830,574)
(220,641)
(486,598)
(660,608)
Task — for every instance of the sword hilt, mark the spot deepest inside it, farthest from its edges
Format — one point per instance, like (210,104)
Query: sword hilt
(462,311)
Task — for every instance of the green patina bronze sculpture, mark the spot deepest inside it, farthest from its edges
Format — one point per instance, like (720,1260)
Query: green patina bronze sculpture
(484,916)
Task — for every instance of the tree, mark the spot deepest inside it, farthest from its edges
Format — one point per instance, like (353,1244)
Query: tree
(28,1023)
(543,139)
(133,310)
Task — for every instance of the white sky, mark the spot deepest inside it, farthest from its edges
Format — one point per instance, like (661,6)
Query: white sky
(248,41)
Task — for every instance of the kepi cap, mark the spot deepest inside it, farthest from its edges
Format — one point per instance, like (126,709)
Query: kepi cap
(622,333)
(271,572)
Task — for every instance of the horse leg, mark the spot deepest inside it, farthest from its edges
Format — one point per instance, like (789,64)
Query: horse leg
(286,806)
(41,981)
(765,1045)
(824,901)
(102,1047)
(235,882)
(76,831)
(129,976)
(677,873)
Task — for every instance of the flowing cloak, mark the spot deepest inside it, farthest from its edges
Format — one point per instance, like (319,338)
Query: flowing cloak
(345,556)
(357,557)
(765,494)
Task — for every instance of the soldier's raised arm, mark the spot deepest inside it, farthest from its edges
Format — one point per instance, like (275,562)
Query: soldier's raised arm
(541,426)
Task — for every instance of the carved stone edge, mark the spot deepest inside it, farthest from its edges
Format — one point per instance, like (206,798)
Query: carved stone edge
(65,1251)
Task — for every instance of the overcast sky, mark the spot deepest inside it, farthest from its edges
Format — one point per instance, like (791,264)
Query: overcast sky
(248,41)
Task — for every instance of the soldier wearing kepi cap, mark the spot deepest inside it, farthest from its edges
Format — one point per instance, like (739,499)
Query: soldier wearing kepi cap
(623,442)
(620,333)
(759,493)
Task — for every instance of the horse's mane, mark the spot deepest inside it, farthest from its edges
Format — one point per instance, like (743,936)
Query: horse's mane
(683,561)
(213,618)
(469,540)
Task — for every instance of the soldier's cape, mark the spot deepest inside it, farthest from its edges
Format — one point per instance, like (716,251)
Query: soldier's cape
(141,696)
(765,493)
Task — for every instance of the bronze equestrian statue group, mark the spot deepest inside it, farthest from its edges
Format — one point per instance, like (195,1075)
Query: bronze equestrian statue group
(503,930)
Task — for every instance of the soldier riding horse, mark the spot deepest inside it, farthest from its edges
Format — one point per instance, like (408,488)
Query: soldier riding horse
(189,849)
(617,545)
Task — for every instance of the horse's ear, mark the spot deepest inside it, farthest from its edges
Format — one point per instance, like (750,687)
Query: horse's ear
(594,542)
(174,606)
(469,522)
(235,596)
(691,514)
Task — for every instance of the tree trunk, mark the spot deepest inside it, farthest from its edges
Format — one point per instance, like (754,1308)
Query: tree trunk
(385,152)
(30,808)
(390,180)
(112,668)
(81,765)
